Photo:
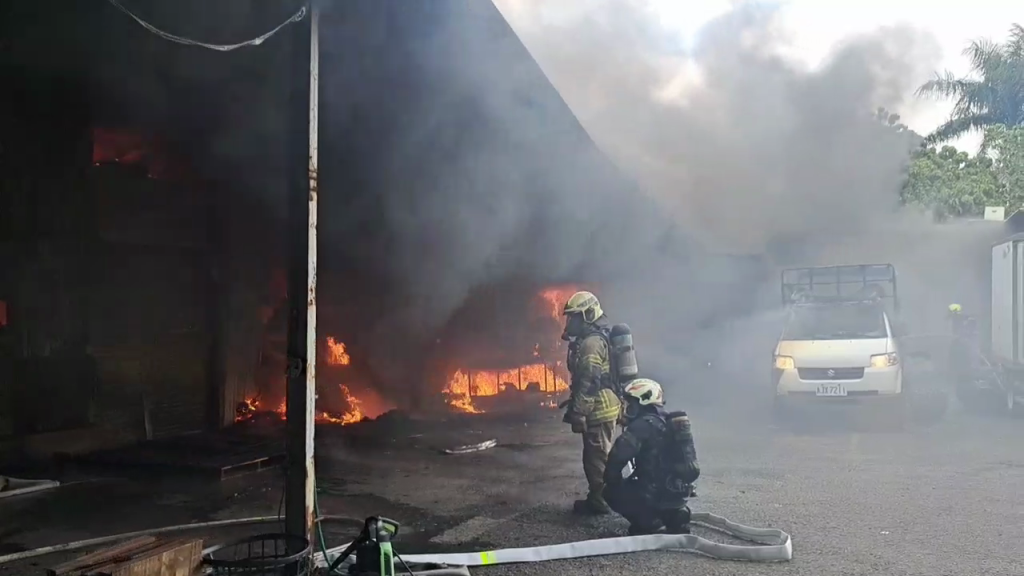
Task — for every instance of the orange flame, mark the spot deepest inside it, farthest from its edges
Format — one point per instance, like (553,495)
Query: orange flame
(247,409)
(355,407)
(336,354)
(353,414)
(557,297)
(355,410)
(463,385)
(462,403)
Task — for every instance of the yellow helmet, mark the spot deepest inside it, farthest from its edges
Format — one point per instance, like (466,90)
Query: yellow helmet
(583,303)
(647,391)
(954,308)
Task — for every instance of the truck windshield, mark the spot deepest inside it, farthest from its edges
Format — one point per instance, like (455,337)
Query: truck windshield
(840,322)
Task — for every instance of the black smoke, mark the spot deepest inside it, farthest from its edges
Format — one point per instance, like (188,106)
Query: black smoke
(480,174)
(450,164)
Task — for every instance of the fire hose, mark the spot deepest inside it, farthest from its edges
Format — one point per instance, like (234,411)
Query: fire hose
(771,545)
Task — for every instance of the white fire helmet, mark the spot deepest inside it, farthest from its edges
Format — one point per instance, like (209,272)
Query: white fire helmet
(646,391)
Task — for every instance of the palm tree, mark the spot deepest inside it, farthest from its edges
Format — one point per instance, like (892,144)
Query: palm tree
(992,94)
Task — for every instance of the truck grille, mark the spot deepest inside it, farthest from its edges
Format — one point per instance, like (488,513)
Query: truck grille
(830,373)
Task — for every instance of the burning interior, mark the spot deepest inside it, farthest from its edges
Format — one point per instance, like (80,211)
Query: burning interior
(503,369)
(162,310)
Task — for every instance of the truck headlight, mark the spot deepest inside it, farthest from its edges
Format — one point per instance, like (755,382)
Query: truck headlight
(784,362)
(884,360)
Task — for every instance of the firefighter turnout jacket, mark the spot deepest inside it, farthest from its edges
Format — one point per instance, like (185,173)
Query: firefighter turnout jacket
(591,387)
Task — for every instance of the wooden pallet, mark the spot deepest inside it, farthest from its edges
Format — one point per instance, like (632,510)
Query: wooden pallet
(144,556)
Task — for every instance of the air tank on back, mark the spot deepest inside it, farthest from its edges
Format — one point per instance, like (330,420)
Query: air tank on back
(623,352)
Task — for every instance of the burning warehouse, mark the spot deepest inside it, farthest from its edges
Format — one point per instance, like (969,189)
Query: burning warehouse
(143,292)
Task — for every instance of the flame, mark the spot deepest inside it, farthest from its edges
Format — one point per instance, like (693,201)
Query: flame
(127,147)
(464,385)
(557,297)
(489,383)
(353,414)
(247,409)
(336,354)
(462,403)
(355,408)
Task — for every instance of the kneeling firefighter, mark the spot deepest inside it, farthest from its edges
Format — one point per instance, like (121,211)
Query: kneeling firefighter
(599,358)
(660,445)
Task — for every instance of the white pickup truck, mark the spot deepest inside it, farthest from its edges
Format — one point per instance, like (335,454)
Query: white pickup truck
(838,346)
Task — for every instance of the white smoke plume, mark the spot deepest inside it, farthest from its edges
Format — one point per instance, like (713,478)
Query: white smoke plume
(745,144)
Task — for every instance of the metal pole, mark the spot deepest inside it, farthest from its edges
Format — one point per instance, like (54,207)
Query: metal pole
(302,218)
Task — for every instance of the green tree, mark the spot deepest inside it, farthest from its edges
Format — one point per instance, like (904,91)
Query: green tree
(992,94)
(1005,146)
(950,183)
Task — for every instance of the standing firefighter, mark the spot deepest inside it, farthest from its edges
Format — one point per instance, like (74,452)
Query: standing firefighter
(660,446)
(963,352)
(594,405)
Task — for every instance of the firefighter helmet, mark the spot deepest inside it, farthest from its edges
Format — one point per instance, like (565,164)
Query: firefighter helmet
(646,391)
(583,303)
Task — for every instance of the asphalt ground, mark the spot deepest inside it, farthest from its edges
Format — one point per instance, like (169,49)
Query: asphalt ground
(942,499)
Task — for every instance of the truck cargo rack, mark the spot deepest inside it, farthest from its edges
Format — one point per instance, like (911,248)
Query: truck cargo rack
(839,284)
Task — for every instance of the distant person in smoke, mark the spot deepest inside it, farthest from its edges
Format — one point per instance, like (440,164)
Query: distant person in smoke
(660,446)
(594,406)
(962,325)
(963,352)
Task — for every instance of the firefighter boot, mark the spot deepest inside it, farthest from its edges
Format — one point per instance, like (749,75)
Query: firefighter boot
(591,507)
(677,521)
(645,528)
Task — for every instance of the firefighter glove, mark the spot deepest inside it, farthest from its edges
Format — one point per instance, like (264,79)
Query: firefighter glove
(576,420)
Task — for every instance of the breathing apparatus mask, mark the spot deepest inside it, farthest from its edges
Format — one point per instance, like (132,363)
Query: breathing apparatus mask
(631,409)
(574,324)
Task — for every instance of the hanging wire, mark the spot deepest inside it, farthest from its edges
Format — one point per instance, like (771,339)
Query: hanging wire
(297,17)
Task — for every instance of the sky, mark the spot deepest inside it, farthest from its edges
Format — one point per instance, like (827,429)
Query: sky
(815,27)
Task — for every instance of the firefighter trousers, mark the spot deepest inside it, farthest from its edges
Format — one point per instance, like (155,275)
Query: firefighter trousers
(597,442)
(629,499)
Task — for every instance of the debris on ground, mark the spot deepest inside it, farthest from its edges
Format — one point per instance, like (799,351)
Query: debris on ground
(17,486)
(472,447)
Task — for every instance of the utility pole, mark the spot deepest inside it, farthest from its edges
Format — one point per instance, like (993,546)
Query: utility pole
(301,142)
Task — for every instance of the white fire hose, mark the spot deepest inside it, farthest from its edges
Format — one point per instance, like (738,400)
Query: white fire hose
(770,545)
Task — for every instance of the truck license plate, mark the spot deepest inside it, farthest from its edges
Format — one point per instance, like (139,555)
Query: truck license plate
(831,390)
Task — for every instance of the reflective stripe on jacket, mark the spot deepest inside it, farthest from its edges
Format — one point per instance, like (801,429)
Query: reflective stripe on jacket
(605,408)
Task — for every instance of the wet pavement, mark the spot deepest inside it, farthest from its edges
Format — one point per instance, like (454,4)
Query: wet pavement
(938,500)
